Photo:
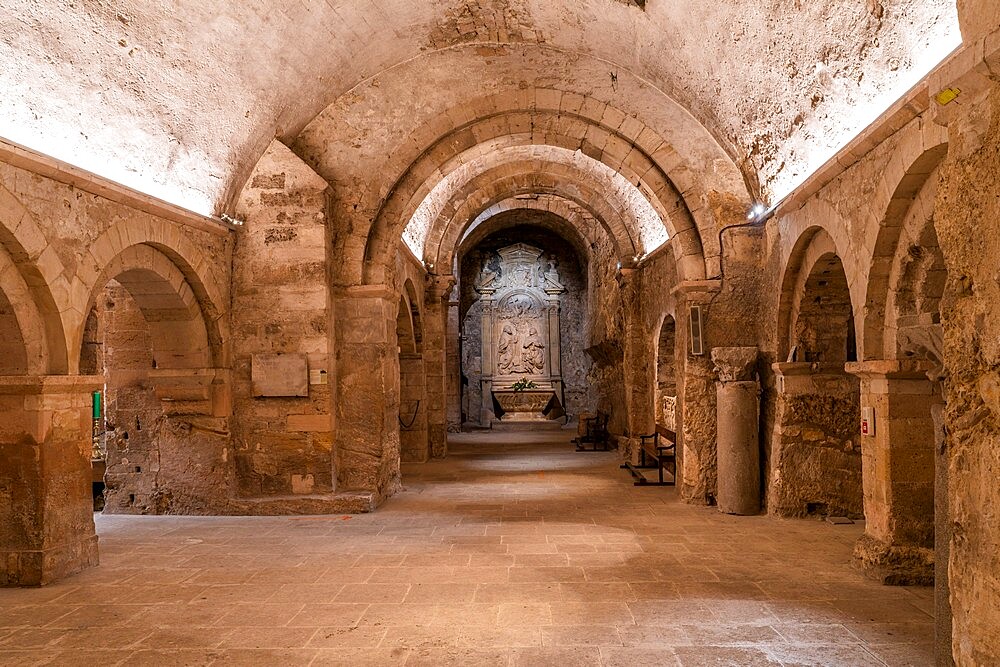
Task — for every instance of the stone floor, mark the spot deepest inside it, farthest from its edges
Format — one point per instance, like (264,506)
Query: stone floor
(514,551)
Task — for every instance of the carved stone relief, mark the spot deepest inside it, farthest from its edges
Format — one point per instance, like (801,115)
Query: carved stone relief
(520,323)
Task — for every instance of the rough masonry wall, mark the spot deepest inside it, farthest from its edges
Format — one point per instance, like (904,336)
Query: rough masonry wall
(815,449)
(72,234)
(967,217)
(606,336)
(418,394)
(283,445)
(574,316)
(156,463)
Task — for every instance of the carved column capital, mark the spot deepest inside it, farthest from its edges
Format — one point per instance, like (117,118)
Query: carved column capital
(439,286)
(735,364)
(925,342)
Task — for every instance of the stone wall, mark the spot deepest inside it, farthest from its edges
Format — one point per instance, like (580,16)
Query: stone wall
(282,445)
(967,217)
(815,448)
(157,463)
(606,336)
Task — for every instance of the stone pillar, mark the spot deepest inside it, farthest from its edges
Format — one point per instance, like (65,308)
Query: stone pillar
(942,541)
(453,366)
(46,501)
(435,361)
(366,394)
(486,413)
(696,396)
(898,466)
(555,344)
(815,455)
(639,363)
(738,415)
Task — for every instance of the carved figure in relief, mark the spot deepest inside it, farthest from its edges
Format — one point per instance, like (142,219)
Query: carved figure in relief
(519,344)
(533,355)
(507,348)
(550,277)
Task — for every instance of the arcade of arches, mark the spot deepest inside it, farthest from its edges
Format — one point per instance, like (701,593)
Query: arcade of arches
(343,259)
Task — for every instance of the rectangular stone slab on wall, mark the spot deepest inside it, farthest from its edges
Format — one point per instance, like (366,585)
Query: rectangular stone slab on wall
(284,375)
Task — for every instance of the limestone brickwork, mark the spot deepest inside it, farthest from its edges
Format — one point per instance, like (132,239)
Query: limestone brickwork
(293,352)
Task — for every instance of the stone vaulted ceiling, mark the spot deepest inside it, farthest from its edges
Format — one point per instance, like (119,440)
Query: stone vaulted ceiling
(180,98)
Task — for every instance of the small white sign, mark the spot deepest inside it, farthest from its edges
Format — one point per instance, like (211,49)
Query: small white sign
(868,421)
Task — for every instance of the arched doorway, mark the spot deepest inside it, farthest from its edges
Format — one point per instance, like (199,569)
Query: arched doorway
(815,465)
(147,336)
(414,445)
(906,477)
(666,375)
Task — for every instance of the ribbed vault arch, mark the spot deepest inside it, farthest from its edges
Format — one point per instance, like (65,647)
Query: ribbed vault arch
(452,151)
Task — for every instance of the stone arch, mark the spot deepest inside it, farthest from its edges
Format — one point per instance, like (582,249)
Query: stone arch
(164,256)
(916,280)
(31,271)
(489,189)
(413,303)
(178,329)
(513,215)
(23,338)
(666,374)
(406,337)
(815,295)
(912,196)
(579,224)
(162,371)
(536,127)
(815,463)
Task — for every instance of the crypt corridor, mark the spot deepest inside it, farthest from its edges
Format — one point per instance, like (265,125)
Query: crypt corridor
(303,301)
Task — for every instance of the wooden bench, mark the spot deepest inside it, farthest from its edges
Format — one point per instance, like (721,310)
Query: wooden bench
(661,447)
(593,432)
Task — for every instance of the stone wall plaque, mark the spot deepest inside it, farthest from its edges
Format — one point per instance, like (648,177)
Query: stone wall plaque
(276,375)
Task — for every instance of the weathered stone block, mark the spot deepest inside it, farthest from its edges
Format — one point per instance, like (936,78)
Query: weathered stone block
(280,375)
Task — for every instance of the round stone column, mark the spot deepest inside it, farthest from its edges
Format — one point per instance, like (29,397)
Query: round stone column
(738,428)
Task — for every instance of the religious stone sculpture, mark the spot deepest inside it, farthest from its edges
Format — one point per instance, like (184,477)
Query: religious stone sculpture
(520,324)
(519,347)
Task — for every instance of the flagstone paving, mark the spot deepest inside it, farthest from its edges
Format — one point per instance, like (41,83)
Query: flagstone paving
(516,550)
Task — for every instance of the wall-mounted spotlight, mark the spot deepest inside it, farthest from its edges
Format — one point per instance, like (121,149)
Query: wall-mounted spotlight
(756,211)
(231,220)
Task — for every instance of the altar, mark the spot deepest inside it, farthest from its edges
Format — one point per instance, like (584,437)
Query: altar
(521,374)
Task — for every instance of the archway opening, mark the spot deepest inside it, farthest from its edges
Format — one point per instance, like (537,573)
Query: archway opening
(414,443)
(815,466)
(824,328)
(13,353)
(666,375)
(157,449)
(523,316)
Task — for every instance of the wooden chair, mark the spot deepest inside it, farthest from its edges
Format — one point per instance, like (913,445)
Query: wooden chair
(593,432)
